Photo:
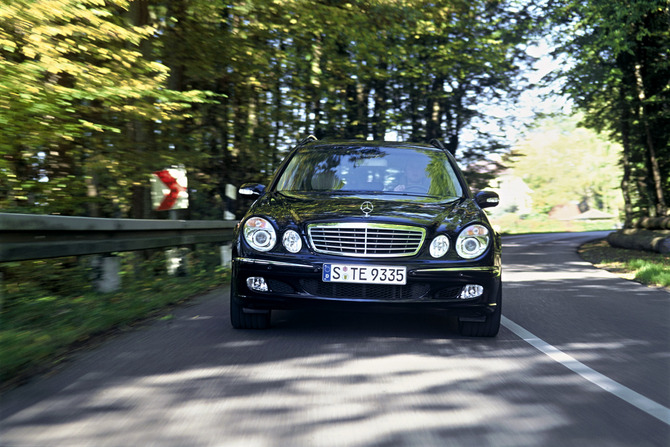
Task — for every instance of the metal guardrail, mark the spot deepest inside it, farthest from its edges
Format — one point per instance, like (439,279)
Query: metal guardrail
(32,236)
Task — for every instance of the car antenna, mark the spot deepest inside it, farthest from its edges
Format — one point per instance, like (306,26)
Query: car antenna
(438,144)
(307,140)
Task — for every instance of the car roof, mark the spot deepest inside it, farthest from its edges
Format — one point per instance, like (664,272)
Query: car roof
(370,143)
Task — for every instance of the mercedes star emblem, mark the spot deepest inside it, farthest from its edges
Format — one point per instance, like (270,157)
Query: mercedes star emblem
(367,208)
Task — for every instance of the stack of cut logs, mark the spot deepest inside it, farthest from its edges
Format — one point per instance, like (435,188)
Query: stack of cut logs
(649,234)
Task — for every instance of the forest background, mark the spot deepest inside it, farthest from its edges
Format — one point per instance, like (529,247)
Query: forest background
(96,95)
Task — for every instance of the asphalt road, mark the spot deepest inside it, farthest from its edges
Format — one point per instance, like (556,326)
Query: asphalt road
(583,359)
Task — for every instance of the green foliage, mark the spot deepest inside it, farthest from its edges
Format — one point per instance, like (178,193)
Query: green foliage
(74,85)
(649,272)
(97,95)
(49,306)
(644,266)
(619,80)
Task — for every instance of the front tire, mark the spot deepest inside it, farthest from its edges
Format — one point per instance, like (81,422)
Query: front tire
(240,319)
(488,328)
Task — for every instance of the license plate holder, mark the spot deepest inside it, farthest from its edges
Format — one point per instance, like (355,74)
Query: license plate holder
(364,274)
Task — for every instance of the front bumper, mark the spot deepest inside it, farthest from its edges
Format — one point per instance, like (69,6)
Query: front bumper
(299,285)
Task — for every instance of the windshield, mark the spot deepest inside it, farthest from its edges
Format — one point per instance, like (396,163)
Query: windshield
(415,172)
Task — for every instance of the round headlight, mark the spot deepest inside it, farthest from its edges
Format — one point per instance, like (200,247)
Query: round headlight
(440,246)
(260,234)
(292,241)
(473,241)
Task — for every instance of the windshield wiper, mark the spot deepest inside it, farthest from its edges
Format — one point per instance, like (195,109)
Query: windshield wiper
(410,194)
(389,193)
(345,192)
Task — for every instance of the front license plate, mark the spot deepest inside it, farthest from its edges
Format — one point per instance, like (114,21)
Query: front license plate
(364,274)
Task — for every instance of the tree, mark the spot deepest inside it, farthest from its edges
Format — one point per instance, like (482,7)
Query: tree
(620,81)
(108,92)
(73,80)
(361,69)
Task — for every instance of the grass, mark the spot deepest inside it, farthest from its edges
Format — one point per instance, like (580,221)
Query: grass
(648,268)
(540,223)
(43,317)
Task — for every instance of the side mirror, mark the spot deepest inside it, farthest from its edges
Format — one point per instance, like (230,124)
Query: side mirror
(487,199)
(251,190)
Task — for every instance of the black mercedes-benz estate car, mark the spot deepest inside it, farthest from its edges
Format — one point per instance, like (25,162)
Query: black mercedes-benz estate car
(361,223)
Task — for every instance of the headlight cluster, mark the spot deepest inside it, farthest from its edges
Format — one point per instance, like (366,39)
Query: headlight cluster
(471,242)
(261,235)
(292,241)
(440,246)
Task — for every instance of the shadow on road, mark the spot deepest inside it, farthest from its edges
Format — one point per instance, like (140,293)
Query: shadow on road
(371,379)
(340,378)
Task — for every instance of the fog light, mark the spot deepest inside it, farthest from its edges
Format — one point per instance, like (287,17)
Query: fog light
(257,284)
(471,291)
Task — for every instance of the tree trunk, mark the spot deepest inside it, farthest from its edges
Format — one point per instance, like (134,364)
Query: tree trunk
(415,117)
(626,184)
(659,200)
(278,108)
(380,108)
(434,112)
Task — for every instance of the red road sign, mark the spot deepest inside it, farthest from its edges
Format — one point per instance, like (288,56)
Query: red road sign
(175,182)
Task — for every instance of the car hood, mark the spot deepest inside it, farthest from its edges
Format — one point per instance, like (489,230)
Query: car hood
(300,209)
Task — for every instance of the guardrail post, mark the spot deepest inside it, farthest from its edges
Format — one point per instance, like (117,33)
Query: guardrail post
(177,261)
(229,200)
(107,268)
(226,254)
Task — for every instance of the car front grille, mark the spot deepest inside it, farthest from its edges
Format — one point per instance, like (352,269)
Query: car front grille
(369,240)
(374,292)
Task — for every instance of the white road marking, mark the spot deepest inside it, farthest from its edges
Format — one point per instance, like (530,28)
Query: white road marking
(645,404)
